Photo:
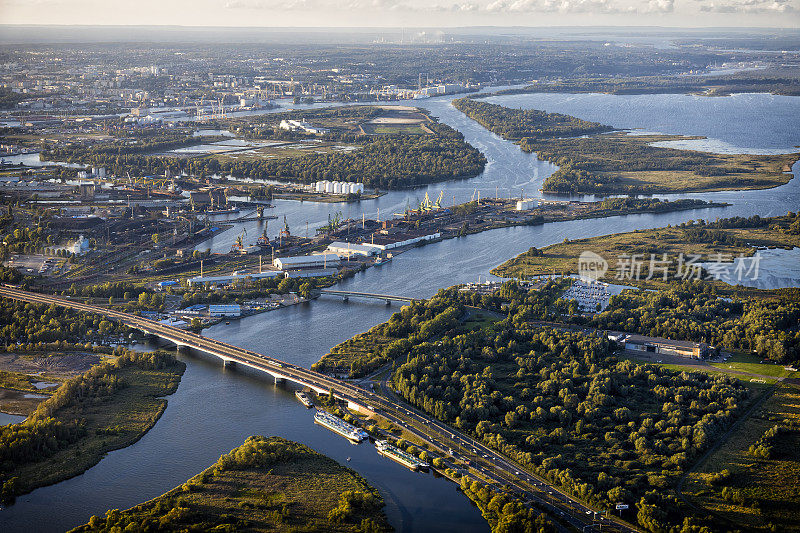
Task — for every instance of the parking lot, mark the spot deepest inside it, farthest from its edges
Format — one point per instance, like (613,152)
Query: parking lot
(41,265)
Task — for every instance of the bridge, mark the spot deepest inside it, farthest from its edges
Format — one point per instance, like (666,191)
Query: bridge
(346,295)
(501,472)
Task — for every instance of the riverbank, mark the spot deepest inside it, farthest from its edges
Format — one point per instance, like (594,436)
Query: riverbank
(111,406)
(266,484)
(724,239)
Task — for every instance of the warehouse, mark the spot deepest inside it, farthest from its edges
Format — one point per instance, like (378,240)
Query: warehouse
(230,278)
(225,310)
(400,239)
(657,345)
(307,261)
(346,249)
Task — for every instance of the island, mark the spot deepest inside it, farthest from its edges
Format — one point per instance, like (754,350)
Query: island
(595,159)
(725,239)
(266,484)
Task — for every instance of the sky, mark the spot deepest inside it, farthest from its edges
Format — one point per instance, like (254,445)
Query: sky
(398,13)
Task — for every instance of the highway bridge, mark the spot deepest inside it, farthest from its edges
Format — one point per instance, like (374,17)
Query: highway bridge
(346,295)
(502,472)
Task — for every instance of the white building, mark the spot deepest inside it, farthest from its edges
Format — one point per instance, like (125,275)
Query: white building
(302,125)
(307,261)
(528,203)
(346,249)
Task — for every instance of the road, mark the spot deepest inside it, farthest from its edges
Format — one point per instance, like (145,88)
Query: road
(504,473)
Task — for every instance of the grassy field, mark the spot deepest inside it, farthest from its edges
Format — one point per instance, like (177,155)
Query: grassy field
(113,422)
(562,258)
(267,484)
(630,163)
(756,493)
(752,364)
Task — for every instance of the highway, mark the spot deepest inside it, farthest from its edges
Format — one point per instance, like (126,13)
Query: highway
(505,474)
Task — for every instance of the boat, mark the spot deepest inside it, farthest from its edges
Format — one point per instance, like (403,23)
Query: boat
(304,399)
(396,454)
(337,425)
(381,260)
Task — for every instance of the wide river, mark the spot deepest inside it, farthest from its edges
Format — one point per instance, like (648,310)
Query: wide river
(214,409)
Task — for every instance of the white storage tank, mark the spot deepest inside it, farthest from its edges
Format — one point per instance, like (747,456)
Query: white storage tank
(337,187)
(329,187)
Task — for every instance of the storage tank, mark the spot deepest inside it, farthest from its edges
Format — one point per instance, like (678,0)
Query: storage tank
(337,187)
(329,187)
(360,188)
(353,188)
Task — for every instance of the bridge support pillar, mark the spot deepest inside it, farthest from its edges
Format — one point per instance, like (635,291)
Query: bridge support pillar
(181,348)
(345,298)
(228,363)
(388,302)
(279,380)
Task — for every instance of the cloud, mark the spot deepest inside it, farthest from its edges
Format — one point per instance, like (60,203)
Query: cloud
(511,7)
(749,6)
(661,6)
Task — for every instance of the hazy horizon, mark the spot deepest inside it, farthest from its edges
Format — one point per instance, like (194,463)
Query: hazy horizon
(399,13)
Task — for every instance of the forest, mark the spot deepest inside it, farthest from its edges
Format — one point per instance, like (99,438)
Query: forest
(767,324)
(64,436)
(266,484)
(384,161)
(26,326)
(608,431)
(519,124)
(773,81)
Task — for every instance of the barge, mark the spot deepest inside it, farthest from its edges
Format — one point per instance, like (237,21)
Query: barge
(304,399)
(337,425)
(396,454)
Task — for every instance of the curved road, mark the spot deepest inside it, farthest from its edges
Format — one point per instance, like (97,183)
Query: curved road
(504,474)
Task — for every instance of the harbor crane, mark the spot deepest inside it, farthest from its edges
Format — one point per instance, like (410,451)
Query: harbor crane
(238,245)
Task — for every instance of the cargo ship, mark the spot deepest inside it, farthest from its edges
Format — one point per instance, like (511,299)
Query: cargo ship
(396,454)
(337,425)
(304,399)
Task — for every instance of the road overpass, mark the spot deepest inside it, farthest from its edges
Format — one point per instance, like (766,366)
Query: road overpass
(346,295)
(502,472)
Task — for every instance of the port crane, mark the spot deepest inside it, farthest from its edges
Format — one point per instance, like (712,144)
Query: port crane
(238,246)
(263,239)
(285,231)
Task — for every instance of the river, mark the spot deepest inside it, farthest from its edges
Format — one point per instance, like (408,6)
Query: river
(214,409)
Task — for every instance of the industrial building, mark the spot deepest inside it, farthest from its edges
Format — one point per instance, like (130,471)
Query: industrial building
(657,345)
(312,273)
(302,125)
(230,278)
(225,310)
(338,187)
(307,261)
(401,239)
(347,249)
(528,203)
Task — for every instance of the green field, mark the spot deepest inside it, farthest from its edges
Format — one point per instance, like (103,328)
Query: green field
(756,493)
(267,484)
